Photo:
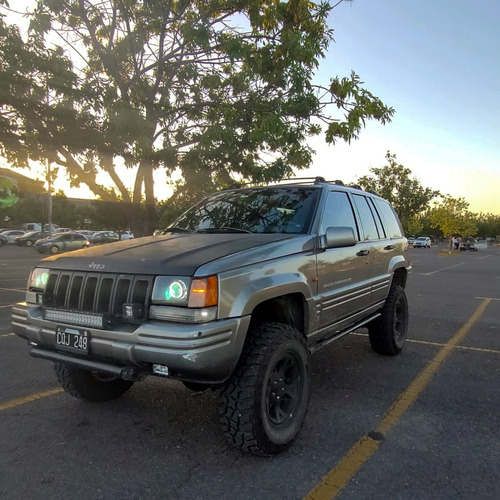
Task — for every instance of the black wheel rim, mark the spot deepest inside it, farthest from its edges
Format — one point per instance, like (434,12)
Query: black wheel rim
(284,390)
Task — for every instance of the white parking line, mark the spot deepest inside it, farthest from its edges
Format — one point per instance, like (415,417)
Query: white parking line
(484,257)
(443,269)
(22,290)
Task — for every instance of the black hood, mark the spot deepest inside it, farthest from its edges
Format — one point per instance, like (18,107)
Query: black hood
(177,254)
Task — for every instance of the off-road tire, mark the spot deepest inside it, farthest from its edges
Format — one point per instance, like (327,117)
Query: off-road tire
(263,405)
(388,332)
(84,384)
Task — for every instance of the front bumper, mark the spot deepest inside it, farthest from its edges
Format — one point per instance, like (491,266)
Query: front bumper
(205,353)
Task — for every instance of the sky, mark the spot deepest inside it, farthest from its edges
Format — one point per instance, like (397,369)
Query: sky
(437,63)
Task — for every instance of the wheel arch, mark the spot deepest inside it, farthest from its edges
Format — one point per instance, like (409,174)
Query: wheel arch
(290,309)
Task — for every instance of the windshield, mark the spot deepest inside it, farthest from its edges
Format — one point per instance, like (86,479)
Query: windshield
(262,210)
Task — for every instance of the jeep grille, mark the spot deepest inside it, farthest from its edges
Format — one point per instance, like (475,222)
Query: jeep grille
(99,294)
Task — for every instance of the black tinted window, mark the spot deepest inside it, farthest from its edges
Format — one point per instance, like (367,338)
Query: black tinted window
(338,212)
(367,220)
(391,222)
(266,210)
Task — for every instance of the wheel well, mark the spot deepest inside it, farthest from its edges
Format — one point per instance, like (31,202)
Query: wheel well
(287,309)
(399,277)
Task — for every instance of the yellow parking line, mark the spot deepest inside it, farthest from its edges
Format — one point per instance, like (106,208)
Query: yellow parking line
(29,399)
(345,470)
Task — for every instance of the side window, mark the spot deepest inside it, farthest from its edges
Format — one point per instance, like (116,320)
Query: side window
(66,237)
(338,212)
(378,221)
(367,220)
(391,222)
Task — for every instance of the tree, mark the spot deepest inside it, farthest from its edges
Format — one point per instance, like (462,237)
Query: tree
(488,225)
(407,195)
(214,90)
(452,217)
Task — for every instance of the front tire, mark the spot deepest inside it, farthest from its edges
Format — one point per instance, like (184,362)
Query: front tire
(388,332)
(29,243)
(91,386)
(54,249)
(263,405)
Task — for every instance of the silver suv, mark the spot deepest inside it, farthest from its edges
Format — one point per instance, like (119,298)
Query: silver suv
(235,295)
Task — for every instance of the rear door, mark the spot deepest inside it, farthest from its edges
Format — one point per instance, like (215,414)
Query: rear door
(343,284)
(379,246)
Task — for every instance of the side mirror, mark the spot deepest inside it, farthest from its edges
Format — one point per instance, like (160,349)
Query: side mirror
(339,237)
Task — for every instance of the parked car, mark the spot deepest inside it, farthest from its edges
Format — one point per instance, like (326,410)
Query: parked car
(468,245)
(64,230)
(29,239)
(422,242)
(104,237)
(3,240)
(411,240)
(62,242)
(127,235)
(11,234)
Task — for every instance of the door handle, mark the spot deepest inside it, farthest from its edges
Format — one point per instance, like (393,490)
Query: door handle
(363,253)
(389,247)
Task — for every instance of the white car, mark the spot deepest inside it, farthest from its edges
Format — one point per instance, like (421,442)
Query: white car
(422,242)
(127,235)
(11,234)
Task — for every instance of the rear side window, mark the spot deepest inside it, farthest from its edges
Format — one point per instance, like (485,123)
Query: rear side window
(367,219)
(338,212)
(391,222)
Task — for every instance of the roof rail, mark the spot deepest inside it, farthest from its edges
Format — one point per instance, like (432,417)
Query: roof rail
(297,180)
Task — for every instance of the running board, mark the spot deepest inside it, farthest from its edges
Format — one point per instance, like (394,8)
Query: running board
(329,340)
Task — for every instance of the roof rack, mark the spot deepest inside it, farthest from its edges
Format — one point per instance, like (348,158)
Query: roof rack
(298,180)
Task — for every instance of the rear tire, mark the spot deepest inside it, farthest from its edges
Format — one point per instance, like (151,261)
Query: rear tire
(263,405)
(91,386)
(388,332)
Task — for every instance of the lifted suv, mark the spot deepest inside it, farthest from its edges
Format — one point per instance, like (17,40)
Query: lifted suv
(235,295)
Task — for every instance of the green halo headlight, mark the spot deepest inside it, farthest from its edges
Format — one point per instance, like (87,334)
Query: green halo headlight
(39,279)
(176,291)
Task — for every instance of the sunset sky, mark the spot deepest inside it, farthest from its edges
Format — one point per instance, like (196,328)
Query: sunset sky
(438,64)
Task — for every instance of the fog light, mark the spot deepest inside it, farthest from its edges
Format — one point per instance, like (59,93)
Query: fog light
(133,311)
(161,370)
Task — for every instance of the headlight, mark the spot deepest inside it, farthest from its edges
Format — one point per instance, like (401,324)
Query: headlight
(187,300)
(37,284)
(187,292)
(38,279)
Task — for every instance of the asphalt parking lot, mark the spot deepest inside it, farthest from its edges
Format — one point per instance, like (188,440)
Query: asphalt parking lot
(422,425)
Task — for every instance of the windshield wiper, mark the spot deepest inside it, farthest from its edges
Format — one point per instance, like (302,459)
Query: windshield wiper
(224,229)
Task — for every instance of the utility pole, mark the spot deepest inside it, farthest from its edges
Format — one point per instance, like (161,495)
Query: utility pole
(49,211)
(49,177)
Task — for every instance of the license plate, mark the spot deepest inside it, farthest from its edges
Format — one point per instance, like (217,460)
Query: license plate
(73,339)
